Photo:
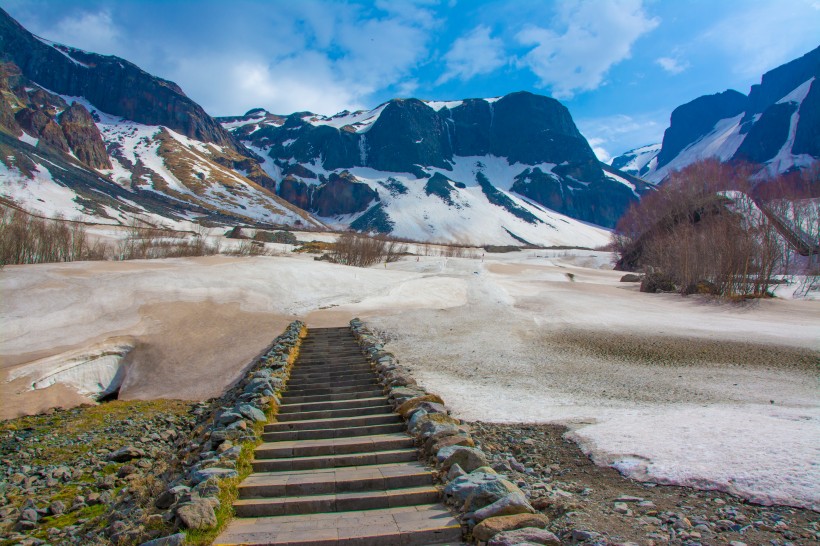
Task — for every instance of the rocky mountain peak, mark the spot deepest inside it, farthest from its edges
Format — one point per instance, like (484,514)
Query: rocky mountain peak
(112,84)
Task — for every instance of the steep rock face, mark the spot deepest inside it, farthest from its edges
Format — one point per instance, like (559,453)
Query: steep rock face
(807,136)
(638,161)
(779,82)
(83,137)
(777,127)
(407,133)
(114,85)
(767,135)
(696,119)
(341,194)
(602,203)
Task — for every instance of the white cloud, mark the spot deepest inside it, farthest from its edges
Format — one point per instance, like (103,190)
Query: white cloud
(593,36)
(673,66)
(747,34)
(473,54)
(94,32)
(619,133)
(600,152)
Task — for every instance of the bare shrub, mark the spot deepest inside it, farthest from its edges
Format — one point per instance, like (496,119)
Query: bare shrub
(703,231)
(147,242)
(28,239)
(363,250)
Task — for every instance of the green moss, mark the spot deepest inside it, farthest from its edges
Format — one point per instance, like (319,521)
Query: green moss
(72,518)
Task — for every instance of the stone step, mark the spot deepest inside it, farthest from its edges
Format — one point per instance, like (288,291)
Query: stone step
(330,351)
(335,480)
(336,502)
(327,377)
(326,433)
(330,405)
(338,422)
(334,461)
(332,446)
(333,413)
(406,526)
(332,361)
(361,367)
(310,391)
(330,396)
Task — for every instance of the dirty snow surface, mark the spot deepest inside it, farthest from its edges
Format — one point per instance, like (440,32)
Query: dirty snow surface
(666,389)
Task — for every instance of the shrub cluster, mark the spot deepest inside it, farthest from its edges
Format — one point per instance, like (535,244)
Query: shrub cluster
(706,230)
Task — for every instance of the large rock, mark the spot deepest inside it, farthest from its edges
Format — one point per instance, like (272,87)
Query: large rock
(460,488)
(527,535)
(198,514)
(83,137)
(511,504)
(491,526)
(205,473)
(125,454)
(468,458)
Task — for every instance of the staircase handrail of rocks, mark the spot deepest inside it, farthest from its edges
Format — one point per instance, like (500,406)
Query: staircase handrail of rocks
(224,427)
(493,509)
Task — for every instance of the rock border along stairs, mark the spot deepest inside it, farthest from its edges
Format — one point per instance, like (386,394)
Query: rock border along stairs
(337,467)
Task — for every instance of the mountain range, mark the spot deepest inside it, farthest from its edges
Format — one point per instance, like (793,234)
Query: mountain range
(776,126)
(96,137)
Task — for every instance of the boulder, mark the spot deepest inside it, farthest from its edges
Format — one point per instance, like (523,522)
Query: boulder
(253,413)
(205,473)
(436,443)
(198,514)
(511,504)
(125,454)
(491,526)
(526,535)
(458,490)
(468,458)
(487,493)
(177,539)
(631,277)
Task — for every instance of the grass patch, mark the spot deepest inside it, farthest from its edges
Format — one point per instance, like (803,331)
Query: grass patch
(72,518)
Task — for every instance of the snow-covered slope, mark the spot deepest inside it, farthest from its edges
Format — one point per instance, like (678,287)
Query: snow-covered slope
(638,161)
(775,126)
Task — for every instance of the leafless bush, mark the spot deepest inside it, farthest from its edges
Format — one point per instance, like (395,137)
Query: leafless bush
(363,250)
(248,248)
(28,239)
(704,232)
(147,242)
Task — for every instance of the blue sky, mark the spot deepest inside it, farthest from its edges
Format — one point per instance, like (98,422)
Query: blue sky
(620,66)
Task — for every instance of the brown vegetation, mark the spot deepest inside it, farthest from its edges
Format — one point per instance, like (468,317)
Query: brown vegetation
(703,231)
(26,239)
(363,250)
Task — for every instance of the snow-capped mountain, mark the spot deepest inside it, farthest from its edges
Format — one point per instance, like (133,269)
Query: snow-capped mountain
(776,126)
(95,137)
(638,161)
(502,169)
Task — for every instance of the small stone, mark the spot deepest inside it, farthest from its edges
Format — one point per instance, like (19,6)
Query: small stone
(622,508)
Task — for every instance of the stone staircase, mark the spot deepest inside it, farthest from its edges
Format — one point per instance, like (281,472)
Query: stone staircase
(337,466)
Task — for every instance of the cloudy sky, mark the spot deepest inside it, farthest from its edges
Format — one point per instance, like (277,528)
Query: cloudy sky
(620,66)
